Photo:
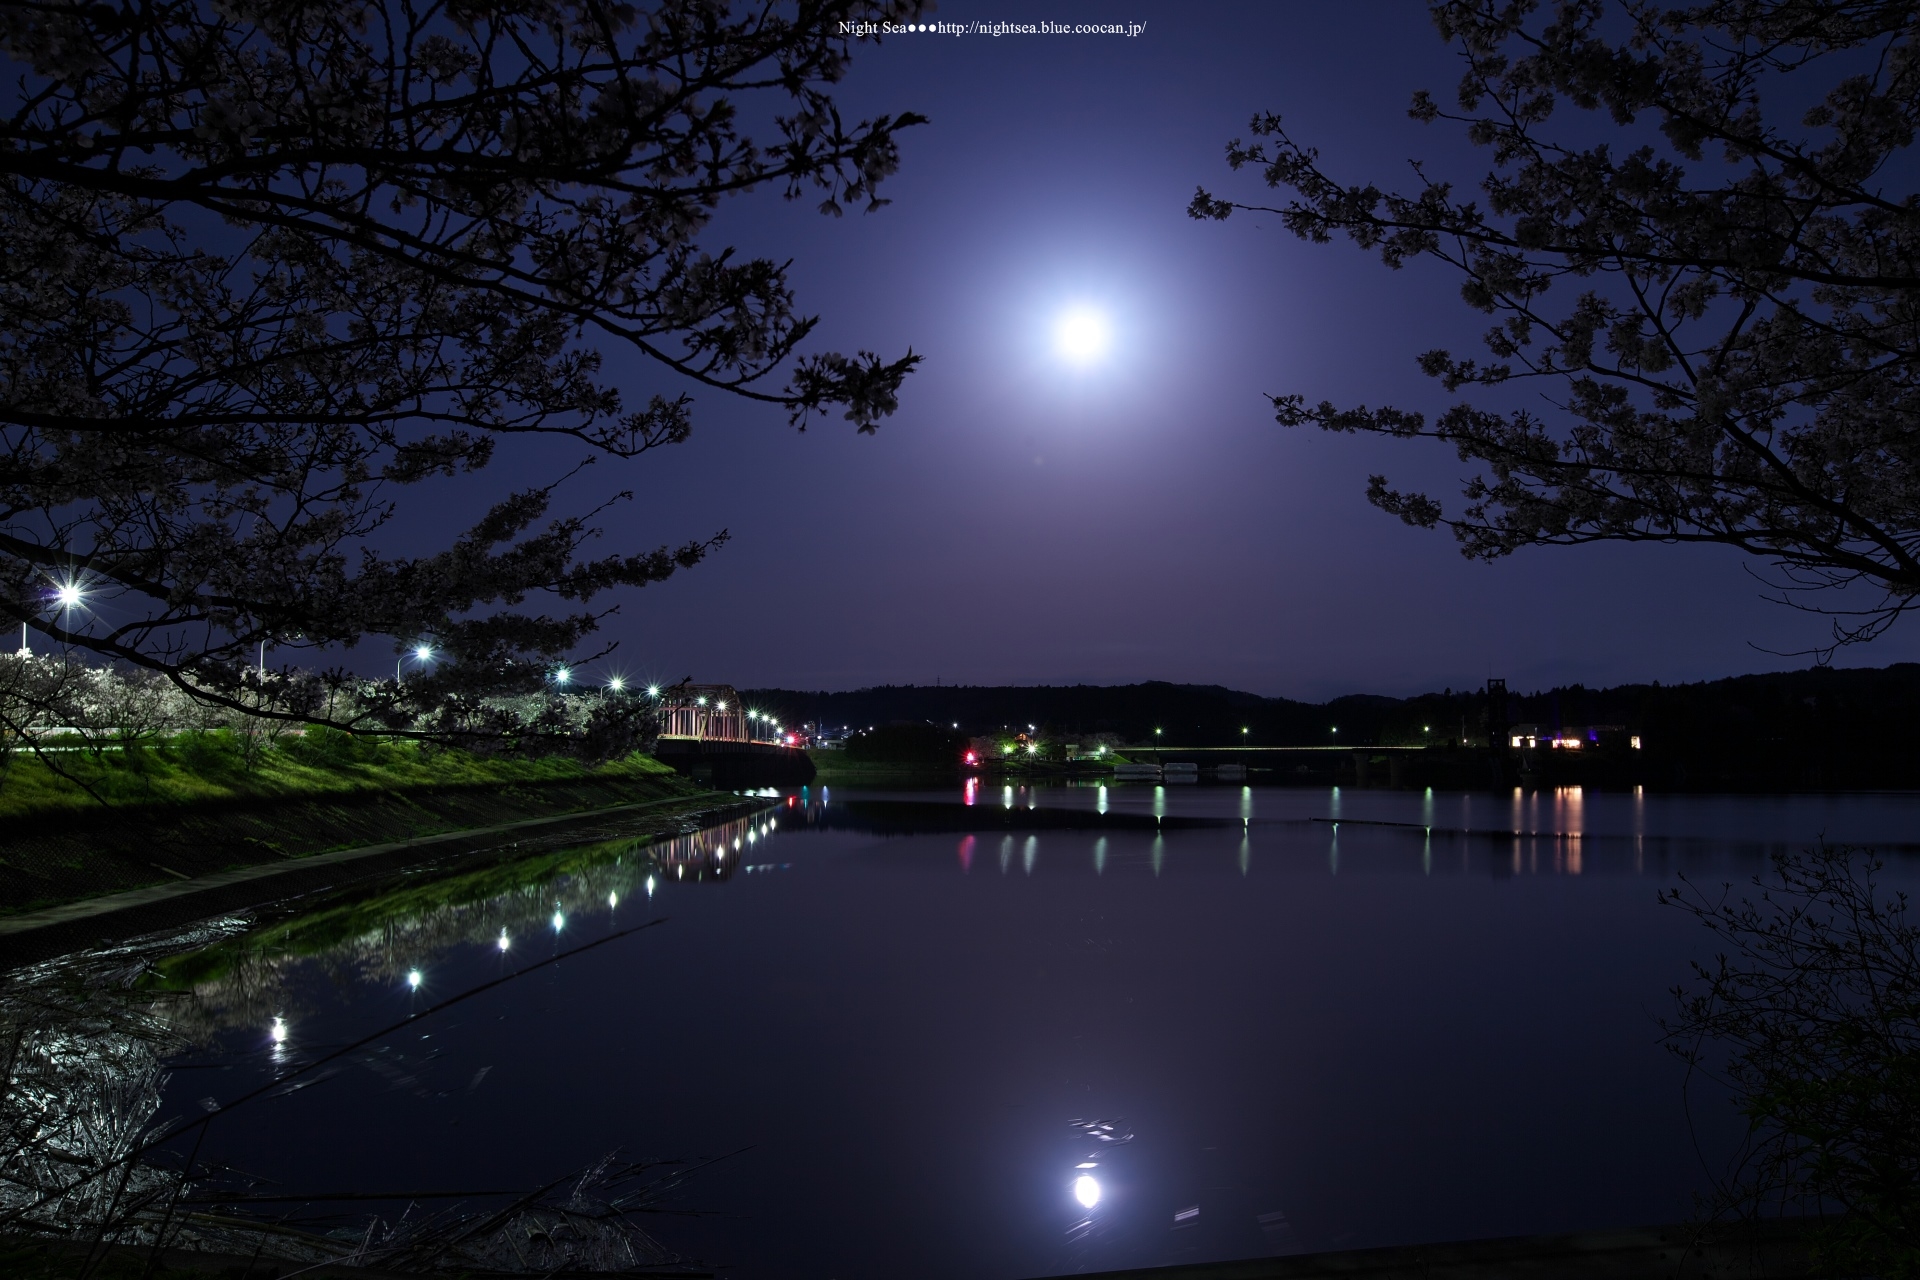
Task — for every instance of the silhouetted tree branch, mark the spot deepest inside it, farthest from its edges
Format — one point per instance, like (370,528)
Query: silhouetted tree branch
(1721,285)
(1810,1018)
(271,266)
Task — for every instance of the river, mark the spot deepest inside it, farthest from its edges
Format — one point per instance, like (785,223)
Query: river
(988,1032)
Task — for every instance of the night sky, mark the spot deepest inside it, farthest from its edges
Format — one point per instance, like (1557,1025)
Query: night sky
(1024,520)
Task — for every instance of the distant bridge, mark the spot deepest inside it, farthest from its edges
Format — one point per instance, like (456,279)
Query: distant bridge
(1185,751)
(715,713)
(708,733)
(1460,765)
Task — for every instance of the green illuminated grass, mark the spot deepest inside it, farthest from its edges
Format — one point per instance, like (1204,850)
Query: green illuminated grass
(211,769)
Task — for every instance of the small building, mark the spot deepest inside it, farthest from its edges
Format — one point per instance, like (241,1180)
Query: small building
(1588,737)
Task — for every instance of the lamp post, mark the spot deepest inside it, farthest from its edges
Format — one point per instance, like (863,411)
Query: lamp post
(67,595)
(421,654)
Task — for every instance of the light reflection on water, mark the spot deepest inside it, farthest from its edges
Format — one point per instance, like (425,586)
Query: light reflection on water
(1333,1019)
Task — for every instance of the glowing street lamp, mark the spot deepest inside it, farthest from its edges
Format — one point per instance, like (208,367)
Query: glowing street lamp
(563,676)
(67,596)
(421,654)
(653,691)
(616,684)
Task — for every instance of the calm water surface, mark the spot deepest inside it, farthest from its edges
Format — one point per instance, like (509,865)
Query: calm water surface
(1274,1034)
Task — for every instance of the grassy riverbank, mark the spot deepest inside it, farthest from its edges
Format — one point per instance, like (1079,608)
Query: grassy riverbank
(219,768)
(94,823)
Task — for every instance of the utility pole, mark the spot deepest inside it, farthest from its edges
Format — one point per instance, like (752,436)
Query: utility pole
(1497,736)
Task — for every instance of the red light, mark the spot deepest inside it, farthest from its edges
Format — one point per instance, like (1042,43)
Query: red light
(790,739)
(972,758)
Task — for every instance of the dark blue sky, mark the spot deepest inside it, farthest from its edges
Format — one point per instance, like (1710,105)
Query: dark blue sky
(1022,521)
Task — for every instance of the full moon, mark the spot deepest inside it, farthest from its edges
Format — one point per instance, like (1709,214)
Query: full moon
(1082,335)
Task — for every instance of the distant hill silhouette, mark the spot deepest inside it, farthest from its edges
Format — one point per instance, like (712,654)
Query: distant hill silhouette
(1816,727)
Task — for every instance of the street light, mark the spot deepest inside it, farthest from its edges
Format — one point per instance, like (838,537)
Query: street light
(563,676)
(616,684)
(421,654)
(653,691)
(67,596)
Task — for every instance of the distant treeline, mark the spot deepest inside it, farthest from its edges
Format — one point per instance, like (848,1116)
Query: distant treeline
(1817,727)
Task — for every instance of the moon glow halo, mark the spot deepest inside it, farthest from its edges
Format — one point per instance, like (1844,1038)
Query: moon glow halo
(1082,335)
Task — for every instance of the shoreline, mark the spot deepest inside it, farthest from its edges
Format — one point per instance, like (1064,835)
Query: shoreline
(103,918)
(48,860)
